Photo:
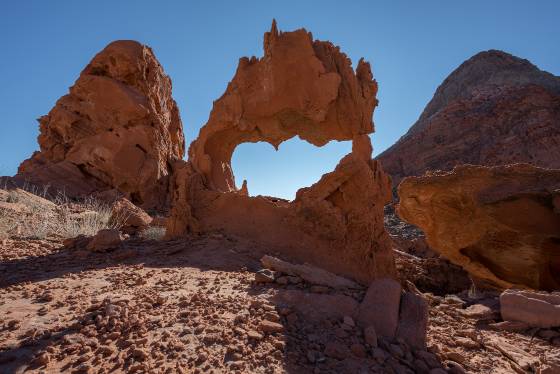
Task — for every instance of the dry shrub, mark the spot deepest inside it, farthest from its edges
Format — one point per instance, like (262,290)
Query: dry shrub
(65,218)
(153,233)
(86,218)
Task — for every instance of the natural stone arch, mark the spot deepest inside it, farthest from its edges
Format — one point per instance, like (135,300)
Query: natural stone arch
(300,87)
(308,89)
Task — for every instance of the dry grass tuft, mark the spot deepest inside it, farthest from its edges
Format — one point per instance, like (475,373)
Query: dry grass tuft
(61,217)
(153,233)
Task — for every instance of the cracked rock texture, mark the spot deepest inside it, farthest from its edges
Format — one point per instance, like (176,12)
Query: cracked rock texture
(118,128)
(305,88)
(499,223)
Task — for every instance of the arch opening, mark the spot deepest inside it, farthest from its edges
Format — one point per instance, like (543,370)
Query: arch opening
(281,173)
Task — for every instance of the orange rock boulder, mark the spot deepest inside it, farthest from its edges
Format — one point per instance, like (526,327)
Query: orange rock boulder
(499,223)
(118,128)
(305,88)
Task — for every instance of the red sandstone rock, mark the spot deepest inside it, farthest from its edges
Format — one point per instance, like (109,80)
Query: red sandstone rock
(413,320)
(105,240)
(118,128)
(535,309)
(305,88)
(299,87)
(494,109)
(132,218)
(380,307)
(498,223)
(308,273)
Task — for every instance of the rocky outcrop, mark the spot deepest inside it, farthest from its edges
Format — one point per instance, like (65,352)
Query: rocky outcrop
(499,223)
(305,88)
(494,109)
(118,128)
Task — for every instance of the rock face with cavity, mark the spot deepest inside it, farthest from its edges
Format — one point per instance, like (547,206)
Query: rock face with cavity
(494,109)
(305,88)
(118,128)
(501,224)
(300,87)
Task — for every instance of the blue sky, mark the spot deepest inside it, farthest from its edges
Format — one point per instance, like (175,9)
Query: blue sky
(412,46)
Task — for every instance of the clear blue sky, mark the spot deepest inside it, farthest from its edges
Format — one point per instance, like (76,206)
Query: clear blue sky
(412,46)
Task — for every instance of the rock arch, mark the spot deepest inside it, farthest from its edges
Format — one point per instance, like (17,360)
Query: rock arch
(304,88)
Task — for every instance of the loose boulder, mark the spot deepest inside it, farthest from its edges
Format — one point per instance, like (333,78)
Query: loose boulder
(105,240)
(535,309)
(413,320)
(133,219)
(380,307)
(498,223)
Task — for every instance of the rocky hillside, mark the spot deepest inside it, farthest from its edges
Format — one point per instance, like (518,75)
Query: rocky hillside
(494,109)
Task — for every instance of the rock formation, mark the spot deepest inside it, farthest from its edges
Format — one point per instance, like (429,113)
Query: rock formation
(305,88)
(535,309)
(494,109)
(499,223)
(118,128)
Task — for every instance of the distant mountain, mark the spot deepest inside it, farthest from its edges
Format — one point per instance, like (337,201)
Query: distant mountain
(493,109)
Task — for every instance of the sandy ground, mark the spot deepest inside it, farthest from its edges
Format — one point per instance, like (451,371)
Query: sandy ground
(193,306)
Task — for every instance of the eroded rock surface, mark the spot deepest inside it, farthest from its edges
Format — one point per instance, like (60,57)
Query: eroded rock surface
(494,109)
(300,87)
(499,223)
(117,128)
(305,88)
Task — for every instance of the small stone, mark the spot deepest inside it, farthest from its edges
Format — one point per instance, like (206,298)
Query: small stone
(42,360)
(264,276)
(466,343)
(379,355)
(347,320)
(272,316)
(455,368)
(370,336)
(514,326)
(202,357)
(105,240)
(396,350)
(83,369)
(479,312)
(271,327)
(455,356)
(358,350)
(336,350)
(283,280)
(139,354)
(252,334)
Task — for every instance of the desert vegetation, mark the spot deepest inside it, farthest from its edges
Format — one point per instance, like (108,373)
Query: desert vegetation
(33,213)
